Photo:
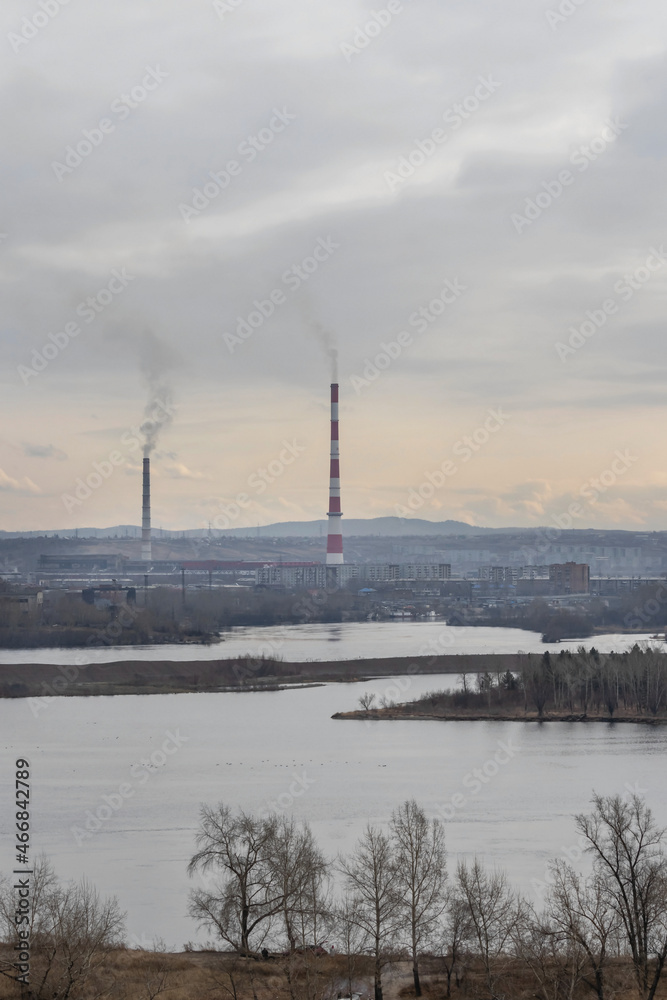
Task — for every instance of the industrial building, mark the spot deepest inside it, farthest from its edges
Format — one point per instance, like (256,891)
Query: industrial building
(77,562)
(570,578)
(387,572)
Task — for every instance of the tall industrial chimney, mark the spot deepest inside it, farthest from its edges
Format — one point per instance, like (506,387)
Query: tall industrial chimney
(146,514)
(335,536)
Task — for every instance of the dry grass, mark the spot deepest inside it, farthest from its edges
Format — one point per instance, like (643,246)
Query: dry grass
(207,975)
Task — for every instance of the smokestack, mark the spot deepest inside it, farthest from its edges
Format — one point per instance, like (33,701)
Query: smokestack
(146,514)
(335,536)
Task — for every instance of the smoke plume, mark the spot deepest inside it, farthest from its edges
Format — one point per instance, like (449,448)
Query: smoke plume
(327,341)
(157,361)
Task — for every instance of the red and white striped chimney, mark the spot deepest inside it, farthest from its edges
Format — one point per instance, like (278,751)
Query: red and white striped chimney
(146,514)
(335,536)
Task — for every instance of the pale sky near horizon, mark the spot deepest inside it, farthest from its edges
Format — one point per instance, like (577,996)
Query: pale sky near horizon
(499,167)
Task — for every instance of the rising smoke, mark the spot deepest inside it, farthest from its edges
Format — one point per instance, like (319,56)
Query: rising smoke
(157,361)
(313,327)
(327,341)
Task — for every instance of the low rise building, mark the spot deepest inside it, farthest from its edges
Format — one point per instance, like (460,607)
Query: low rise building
(26,603)
(87,562)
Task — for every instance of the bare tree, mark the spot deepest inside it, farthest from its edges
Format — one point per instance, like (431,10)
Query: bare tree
(157,971)
(352,938)
(491,910)
(44,883)
(299,871)
(629,861)
(157,978)
(580,916)
(229,981)
(72,931)
(537,681)
(556,961)
(420,860)
(455,932)
(246,896)
(366,700)
(82,927)
(235,979)
(484,685)
(369,875)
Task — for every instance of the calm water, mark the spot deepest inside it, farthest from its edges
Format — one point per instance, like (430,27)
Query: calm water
(348,641)
(249,749)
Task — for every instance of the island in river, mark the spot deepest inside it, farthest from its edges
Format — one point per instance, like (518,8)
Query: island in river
(581,686)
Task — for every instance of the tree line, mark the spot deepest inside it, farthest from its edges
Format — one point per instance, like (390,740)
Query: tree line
(164,614)
(630,684)
(266,885)
(275,902)
(634,682)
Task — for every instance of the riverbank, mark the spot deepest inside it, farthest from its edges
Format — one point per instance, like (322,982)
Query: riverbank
(64,637)
(31,680)
(396,714)
(82,638)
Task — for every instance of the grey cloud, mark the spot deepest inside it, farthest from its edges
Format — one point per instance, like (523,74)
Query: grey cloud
(44,451)
(324,175)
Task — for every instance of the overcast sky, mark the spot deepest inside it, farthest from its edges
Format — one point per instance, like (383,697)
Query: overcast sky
(500,167)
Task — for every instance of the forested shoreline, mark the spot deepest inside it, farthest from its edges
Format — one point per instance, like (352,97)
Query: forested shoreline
(584,685)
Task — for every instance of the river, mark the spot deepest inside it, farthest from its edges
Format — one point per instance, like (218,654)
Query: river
(346,641)
(281,750)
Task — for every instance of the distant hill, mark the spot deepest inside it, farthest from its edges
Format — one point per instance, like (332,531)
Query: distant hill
(360,527)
